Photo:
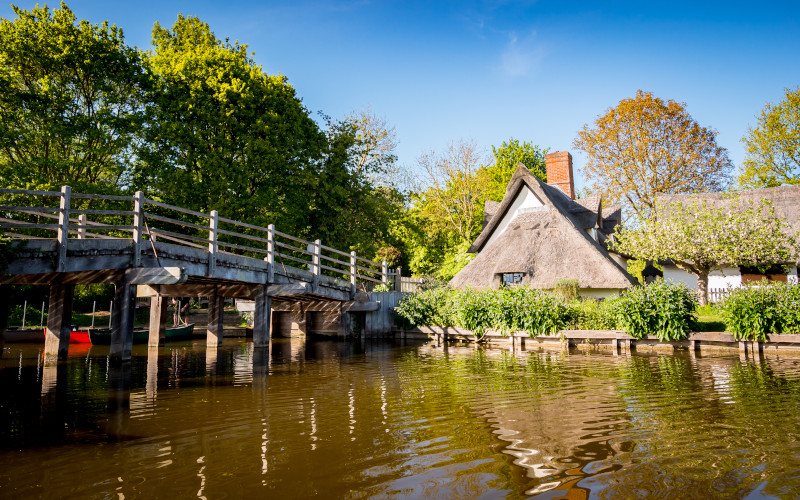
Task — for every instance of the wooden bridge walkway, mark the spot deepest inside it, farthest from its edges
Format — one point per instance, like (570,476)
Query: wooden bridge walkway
(157,250)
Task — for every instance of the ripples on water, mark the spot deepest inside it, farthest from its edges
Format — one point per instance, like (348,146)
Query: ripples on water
(347,420)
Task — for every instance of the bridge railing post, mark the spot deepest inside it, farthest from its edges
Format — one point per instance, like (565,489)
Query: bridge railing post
(384,273)
(353,272)
(270,258)
(398,279)
(63,227)
(213,246)
(82,227)
(316,259)
(138,227)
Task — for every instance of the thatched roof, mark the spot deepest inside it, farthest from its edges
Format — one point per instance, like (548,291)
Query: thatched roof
(546,244)
(489,209)
(785,199)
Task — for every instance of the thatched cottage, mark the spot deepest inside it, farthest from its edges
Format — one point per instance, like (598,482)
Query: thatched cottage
(785,200)
(540,234)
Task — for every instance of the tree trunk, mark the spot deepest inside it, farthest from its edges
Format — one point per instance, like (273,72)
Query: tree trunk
(702,287)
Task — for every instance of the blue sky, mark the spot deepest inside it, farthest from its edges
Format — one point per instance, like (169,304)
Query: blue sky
(490,70)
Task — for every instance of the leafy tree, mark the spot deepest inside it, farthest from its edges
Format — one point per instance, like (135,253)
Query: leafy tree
(349,205)
(71,98)
(451,202)
(506,159)
(223,135)
(699,238)
(645,146)
(773,147)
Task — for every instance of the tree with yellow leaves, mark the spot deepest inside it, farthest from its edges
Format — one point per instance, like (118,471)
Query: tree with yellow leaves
(645,146)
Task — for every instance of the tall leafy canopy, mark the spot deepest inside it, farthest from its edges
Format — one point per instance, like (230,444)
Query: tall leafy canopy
(506,159)
(645,146)
(698,238)
(71,101)
(773,147)
(349,203)
(224,135)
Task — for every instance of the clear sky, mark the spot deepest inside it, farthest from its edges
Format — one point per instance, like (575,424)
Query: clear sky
(492,70)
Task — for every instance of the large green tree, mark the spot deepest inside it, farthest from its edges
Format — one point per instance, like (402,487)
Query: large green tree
(71,97)
(506,159)
(698,238)
(350,206)
(773,147)
(224,135)
(645,146)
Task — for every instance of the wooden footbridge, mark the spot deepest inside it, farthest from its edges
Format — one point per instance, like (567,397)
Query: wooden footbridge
(152,249)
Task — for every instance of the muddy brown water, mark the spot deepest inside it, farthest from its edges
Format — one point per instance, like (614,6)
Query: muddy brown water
(375,420)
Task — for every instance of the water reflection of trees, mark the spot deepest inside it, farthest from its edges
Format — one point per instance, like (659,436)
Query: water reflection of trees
(702,426)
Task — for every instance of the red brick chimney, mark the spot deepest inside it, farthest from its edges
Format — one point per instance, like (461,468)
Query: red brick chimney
(559,172)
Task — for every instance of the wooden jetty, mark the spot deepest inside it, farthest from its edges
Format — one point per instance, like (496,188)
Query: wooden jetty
(151,249)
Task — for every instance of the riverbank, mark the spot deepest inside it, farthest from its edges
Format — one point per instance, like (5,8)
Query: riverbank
(616,340)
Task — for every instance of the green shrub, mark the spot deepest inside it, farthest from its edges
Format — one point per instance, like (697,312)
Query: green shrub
(475,310)
(508,310)
(590,315)
(660,308)
(753,312)
(568,289)
(431,307)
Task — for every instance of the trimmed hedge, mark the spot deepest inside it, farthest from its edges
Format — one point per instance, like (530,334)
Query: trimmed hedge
(662,309)
(753,312)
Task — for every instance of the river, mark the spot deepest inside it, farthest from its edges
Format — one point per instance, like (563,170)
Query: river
(379,419)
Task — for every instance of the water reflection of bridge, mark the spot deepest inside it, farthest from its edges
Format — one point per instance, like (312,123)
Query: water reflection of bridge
(156,250)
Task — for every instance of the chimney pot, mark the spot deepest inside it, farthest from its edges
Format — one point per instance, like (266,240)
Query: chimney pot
(559,172)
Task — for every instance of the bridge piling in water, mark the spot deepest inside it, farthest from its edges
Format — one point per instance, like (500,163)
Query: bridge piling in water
(59,320)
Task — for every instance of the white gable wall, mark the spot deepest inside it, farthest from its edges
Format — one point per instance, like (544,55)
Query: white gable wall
(724,278)
(525,201)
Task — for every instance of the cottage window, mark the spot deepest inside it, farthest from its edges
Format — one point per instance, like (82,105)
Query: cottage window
(756,275)
(511,279)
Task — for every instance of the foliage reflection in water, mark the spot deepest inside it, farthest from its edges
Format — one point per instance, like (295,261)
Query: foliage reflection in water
(369,420)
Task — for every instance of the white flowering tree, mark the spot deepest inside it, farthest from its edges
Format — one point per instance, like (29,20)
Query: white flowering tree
(698,238)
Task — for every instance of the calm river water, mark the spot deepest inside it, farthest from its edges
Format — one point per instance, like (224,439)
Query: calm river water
(359,420)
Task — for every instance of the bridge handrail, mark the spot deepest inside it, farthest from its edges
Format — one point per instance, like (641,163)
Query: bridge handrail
(372,271)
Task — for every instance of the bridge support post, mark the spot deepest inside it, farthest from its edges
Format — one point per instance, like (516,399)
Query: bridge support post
(59,319)
(158,321)
(122,321)
(216,307)
(5,307)
(262,319)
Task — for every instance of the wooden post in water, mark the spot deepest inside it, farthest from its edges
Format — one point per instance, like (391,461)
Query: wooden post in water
(216,309)
(212,242)
(158,321)
(5,306)
(122,318)
(59,319)
(262,319)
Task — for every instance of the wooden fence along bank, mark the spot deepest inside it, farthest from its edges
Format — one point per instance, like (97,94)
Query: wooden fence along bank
(152,249)
(617,341)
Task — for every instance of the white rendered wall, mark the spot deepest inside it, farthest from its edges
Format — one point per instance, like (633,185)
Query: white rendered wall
(724,278)
(525,201)
(792,276)
(675,275)
(598,293)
